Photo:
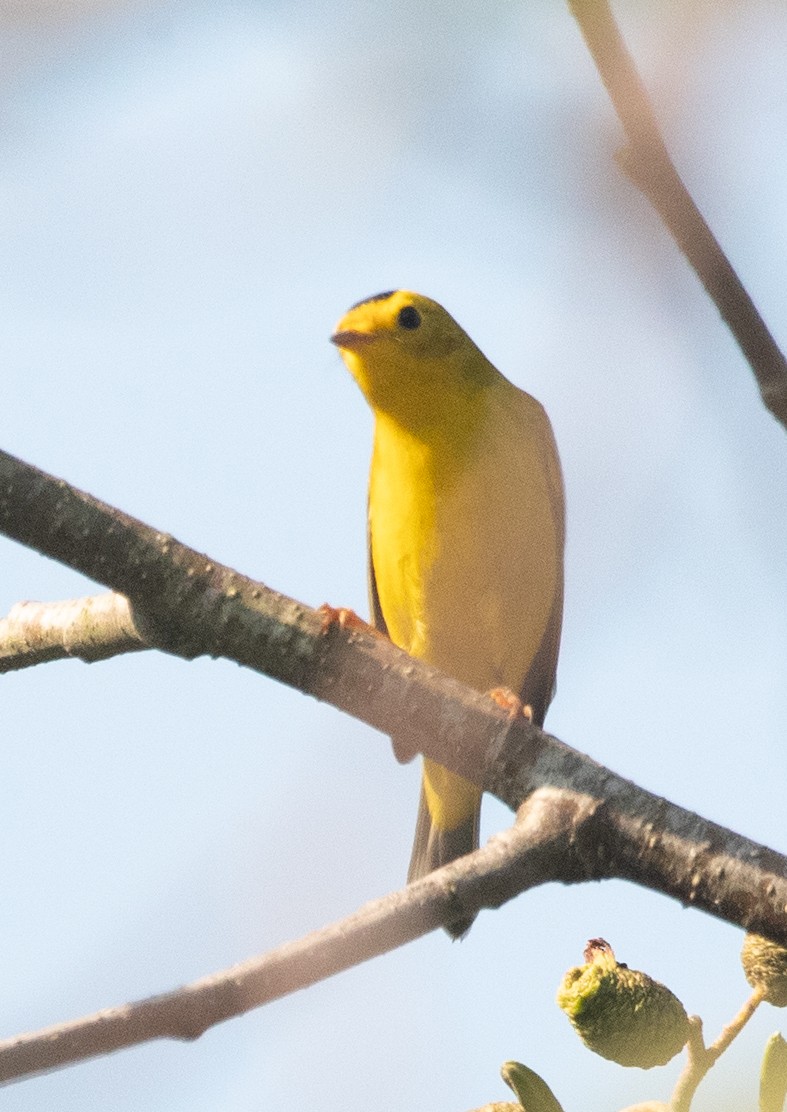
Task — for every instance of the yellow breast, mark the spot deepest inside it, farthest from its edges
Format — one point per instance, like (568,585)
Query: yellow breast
(465,538)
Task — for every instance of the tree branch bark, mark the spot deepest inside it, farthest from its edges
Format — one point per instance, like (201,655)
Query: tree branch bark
(537,849)
(89,629)
(557,836)
(651,169)
(183,602)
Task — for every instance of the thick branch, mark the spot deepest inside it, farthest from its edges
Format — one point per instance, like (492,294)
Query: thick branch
(637,836)
(582,822)
(185,603)
(650,167)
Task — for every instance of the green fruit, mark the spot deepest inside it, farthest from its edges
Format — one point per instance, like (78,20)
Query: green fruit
(765,966)
(620,1013)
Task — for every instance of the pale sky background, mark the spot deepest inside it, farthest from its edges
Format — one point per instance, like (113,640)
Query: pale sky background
(191,194)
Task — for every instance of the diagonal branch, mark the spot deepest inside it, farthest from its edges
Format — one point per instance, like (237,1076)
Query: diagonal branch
(650,167)
(537,849)
(185,603)
(559,835)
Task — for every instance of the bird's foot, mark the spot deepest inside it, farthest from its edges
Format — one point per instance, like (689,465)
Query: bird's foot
(344,618)
(505,698)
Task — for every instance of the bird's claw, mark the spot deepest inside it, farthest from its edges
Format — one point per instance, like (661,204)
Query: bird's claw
(509,701)
(344,618)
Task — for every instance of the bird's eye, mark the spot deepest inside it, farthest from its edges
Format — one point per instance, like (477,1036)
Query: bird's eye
(409,317)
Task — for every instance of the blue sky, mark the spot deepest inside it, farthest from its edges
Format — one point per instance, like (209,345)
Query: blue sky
(190,197)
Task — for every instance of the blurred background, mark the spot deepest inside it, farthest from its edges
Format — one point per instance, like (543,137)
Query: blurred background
(191,195)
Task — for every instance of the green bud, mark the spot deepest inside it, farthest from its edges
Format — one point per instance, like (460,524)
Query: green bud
(533,1092)
(765,966)
(773,1075)
(620,1013)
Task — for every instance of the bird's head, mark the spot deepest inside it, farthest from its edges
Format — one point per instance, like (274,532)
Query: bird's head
(409,356)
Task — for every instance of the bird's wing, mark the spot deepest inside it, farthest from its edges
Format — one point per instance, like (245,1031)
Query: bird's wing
(404,748)
(538,686)
(376,610)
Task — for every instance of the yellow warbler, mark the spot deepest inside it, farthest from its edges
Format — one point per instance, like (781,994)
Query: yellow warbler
(466,528)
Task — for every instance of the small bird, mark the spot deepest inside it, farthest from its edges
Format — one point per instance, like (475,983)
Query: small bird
(465,527)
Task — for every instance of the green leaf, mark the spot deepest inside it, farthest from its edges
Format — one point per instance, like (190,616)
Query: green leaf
(534,1094)
(773,1074)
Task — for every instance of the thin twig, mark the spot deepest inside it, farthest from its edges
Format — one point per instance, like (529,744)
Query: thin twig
(88,629)
(650,167)
(702,1058)
(696,1067)
(736,1025)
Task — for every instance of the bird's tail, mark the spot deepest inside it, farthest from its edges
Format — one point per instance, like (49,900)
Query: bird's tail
(435,845)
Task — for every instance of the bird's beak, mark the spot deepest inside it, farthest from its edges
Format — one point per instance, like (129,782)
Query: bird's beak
(351,340)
